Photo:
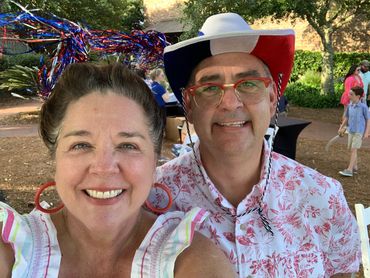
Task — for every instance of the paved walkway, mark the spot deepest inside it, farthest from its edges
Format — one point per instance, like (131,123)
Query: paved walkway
(24,130)
(316,130)
(24,107)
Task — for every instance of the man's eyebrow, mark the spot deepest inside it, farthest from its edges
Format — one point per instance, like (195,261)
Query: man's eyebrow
(216,77)
(209,78)
(249,73)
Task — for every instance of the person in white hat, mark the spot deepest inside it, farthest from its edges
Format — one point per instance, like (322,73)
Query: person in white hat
(272,216)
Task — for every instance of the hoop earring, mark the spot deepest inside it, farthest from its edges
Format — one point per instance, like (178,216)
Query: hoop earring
(37,198)
(168,192)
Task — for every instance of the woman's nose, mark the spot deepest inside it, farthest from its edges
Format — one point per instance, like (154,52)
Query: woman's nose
(104,162)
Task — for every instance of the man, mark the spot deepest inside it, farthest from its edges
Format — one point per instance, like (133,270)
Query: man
(365,76)
(272,216)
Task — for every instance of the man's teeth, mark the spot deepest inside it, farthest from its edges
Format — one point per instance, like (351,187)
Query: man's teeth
(103,194)
(236,124)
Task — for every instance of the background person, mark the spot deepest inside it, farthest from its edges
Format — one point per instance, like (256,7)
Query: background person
(104,129)
(272,216)
(283,106)
(365,77)
(352,79)
(357,119)
(157,76)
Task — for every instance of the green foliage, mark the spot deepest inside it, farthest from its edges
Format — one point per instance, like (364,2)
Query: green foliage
(309,96)
(5,6)
(123,15)
(27,60)
(20,79)
(303,61)
(319,14)
(312,60)
(311,78)
(343,61)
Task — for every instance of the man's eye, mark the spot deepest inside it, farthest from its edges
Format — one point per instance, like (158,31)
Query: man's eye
(208,89)
(249,86)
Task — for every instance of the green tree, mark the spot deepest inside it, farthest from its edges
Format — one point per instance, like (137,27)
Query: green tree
(326,17)
(123,15)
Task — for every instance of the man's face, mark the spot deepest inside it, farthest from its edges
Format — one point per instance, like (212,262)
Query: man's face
(364,68)
(237,125)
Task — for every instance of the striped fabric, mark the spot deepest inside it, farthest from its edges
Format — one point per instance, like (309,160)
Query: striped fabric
(170,235)
(33,238)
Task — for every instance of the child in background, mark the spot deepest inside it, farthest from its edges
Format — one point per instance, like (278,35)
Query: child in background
(357,121)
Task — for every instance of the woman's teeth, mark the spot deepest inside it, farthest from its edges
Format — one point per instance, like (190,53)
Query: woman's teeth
(103,194)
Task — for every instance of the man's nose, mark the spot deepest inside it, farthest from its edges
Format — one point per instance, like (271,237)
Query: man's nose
(230,99)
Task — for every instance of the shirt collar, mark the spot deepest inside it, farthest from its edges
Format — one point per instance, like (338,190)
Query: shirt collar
(251,200)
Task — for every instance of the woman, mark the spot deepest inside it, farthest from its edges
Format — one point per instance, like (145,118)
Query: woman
(158,90)
(352,79)
(104,130)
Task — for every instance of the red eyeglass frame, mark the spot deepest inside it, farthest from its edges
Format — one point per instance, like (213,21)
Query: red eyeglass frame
(191,90)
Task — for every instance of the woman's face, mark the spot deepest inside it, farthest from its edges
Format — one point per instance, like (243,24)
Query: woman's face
(105,160)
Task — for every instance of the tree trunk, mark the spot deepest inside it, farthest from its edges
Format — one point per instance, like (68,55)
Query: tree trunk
(327,73)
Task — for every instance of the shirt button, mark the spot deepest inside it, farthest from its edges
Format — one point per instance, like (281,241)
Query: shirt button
(243,227)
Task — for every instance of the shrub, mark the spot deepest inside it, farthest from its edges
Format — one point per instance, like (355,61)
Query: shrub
(312,60)
(20,79)
(309,96)
(27,60)
(311,78)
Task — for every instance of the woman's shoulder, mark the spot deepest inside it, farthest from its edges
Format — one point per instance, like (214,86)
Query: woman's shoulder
(6,250)
(203,259)
(33,241)
(6,256)
(168,237)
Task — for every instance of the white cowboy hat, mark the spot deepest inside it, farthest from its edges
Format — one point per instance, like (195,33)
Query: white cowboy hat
(224,33)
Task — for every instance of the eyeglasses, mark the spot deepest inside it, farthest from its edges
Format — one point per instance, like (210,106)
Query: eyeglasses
(249,90)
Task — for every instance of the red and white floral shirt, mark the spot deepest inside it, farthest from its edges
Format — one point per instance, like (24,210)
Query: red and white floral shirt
(315,233)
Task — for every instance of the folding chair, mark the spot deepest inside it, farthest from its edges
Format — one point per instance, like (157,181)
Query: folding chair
(363,220)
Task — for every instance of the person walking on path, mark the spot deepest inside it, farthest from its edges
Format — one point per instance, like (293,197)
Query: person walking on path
(357,119)
(272,216)
(352,79)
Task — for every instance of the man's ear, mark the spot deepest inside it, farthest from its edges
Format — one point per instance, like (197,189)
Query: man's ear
(273,101)
(188,107)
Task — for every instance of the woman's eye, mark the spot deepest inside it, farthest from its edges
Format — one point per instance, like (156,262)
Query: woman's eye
(80,146)
(128,146)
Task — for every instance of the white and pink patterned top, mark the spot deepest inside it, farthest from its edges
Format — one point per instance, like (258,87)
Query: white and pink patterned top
(33,238)
(315,233)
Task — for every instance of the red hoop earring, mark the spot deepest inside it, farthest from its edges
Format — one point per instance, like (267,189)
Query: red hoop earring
(37,199)
(168,192)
